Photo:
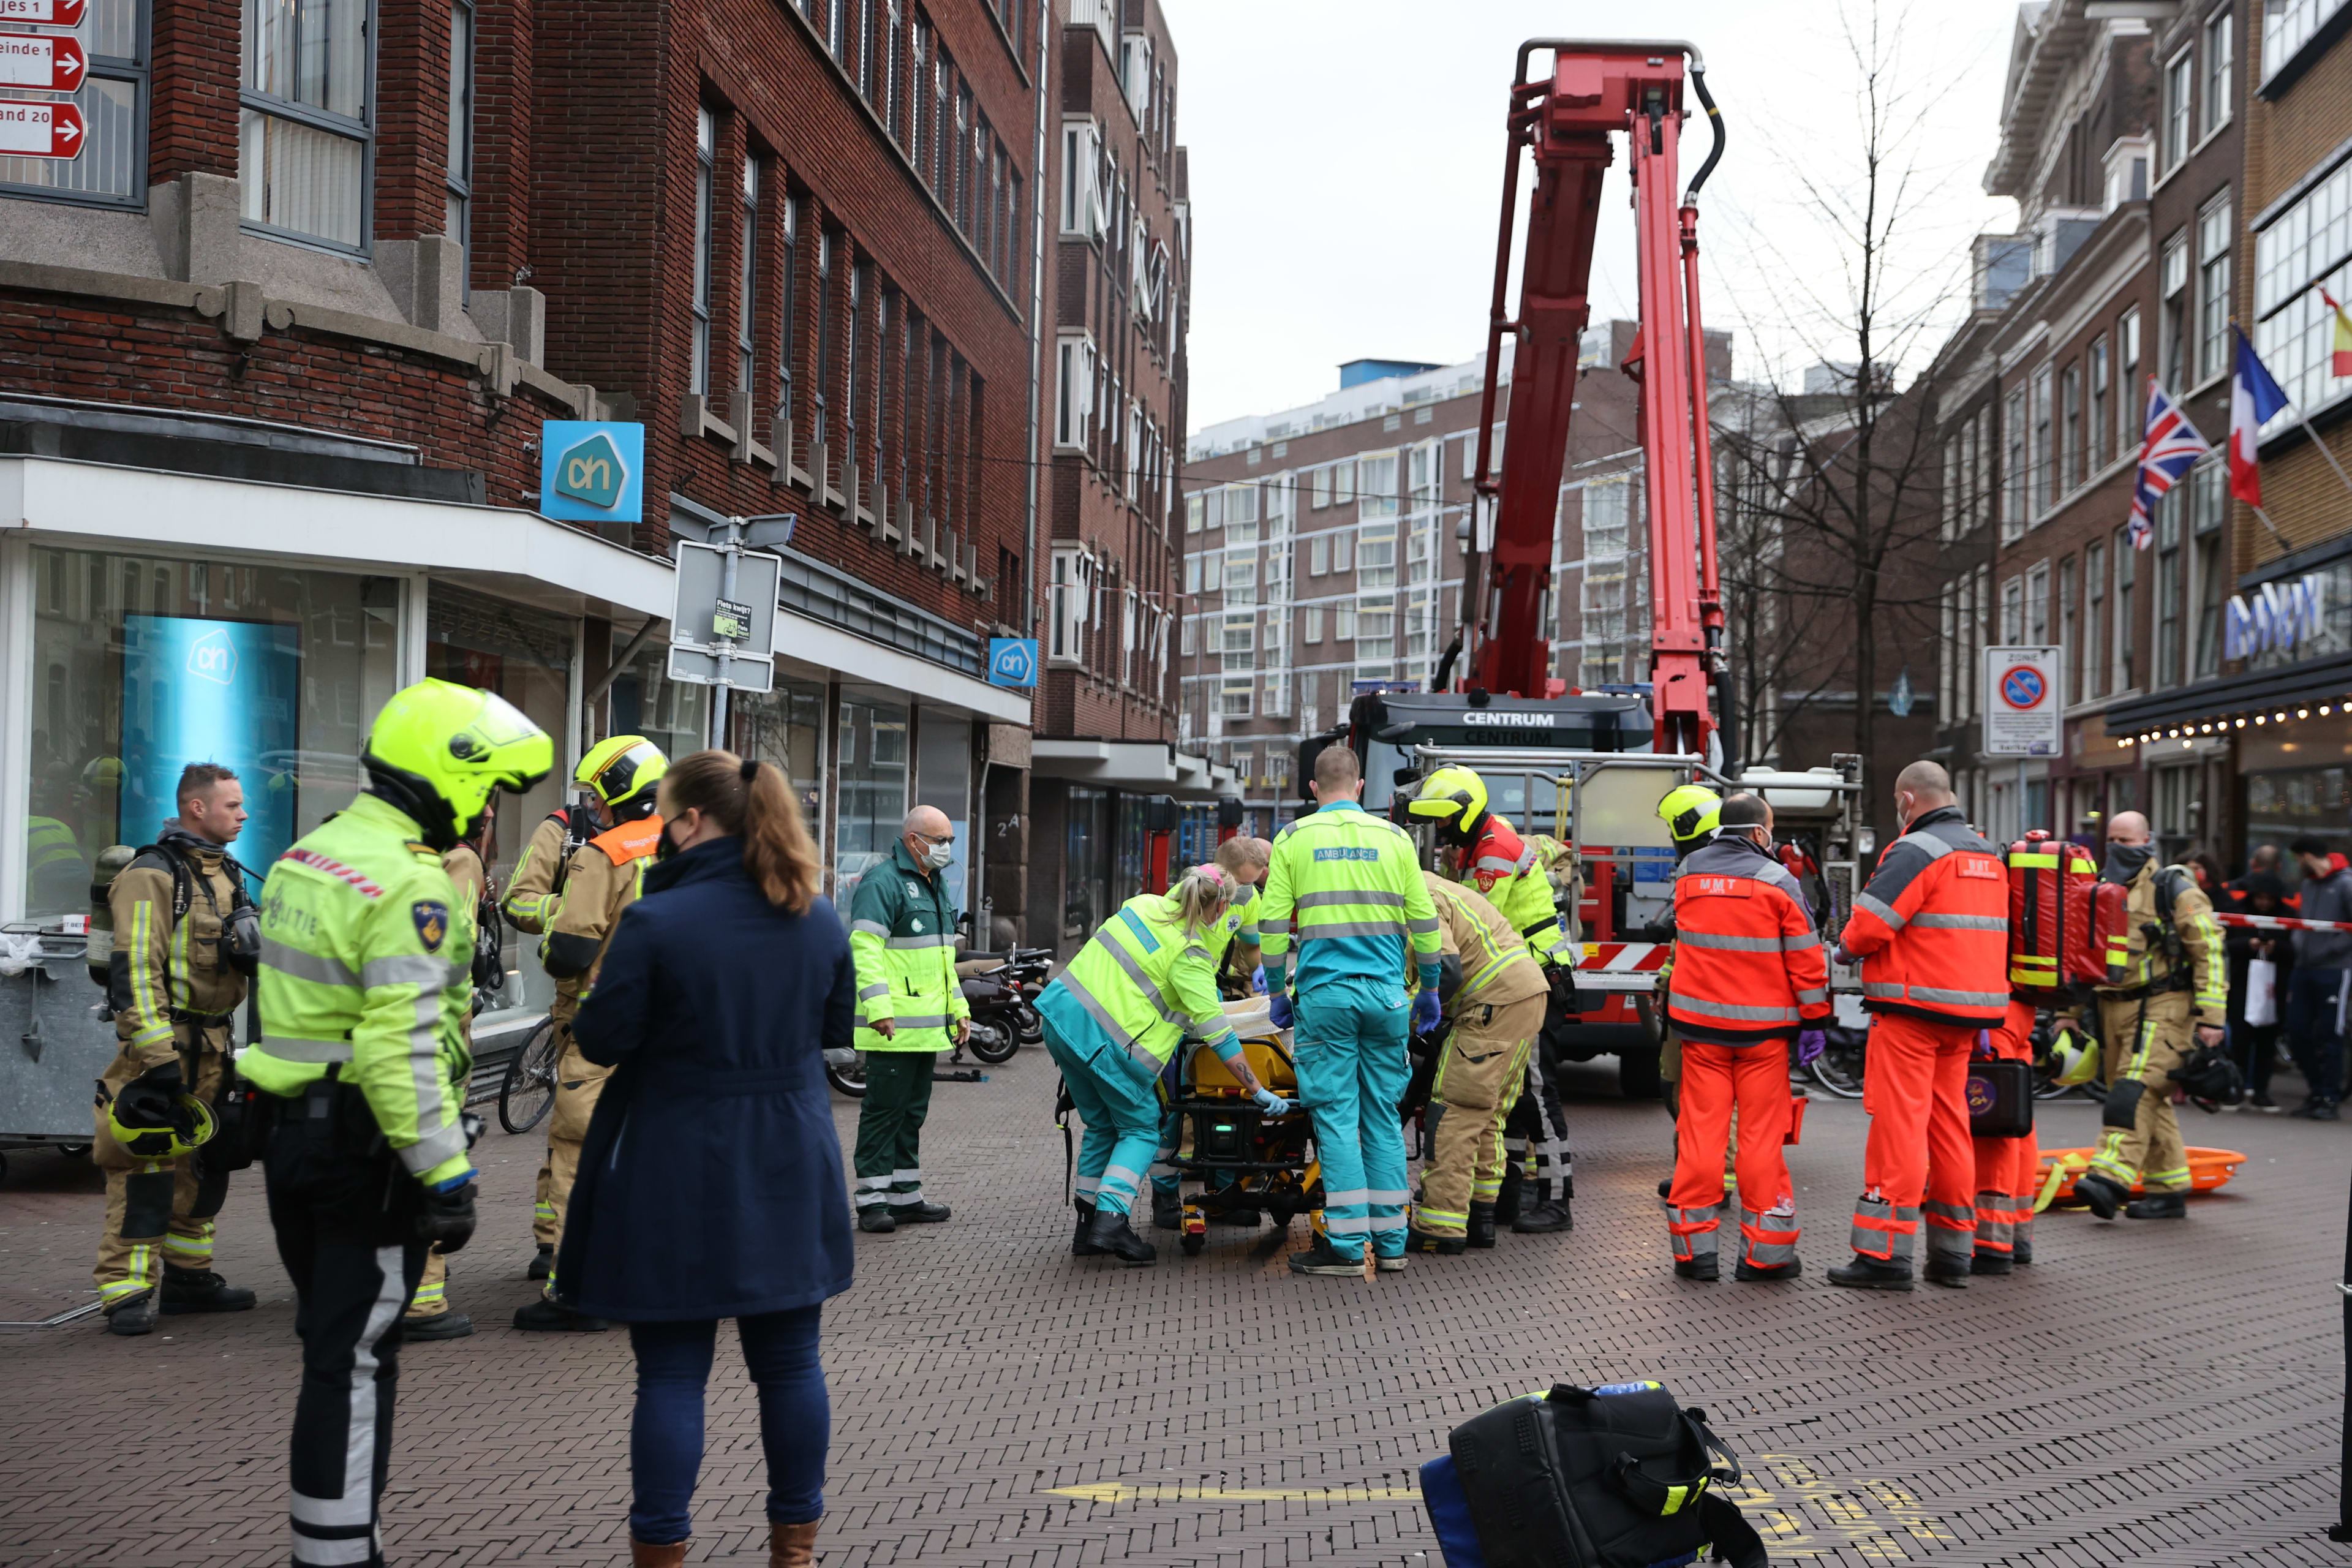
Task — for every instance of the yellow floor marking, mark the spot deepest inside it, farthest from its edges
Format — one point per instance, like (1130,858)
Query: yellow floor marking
(1115,1491)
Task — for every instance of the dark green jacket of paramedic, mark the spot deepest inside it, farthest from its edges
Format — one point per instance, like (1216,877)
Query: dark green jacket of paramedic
(1143,983)
(902,938)
(1345,887)
(366,963)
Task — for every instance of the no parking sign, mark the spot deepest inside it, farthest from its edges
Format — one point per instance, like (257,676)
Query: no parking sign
(2024,709)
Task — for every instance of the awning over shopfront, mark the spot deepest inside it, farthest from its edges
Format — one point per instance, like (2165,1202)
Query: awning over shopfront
(1143,767)
(2249,701)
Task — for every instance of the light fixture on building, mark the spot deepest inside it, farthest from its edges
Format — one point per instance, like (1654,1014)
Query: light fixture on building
(2280,715)
(2242,723)
(2258,719)
(2303,712)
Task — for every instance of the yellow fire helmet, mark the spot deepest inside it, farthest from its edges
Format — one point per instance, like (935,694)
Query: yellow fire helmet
(438,750)
(625,771)
(1452,797)
(1691,812)
(2074,1057)
(170,1141)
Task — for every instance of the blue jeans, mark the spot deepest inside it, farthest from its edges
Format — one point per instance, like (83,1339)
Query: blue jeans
(1348,1044)
(2311,1032)
(666,1437)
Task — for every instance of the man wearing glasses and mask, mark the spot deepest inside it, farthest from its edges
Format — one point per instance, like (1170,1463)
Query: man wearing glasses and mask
(910,1008)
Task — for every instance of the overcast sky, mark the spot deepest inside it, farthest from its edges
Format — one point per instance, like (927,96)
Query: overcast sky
(1347,160)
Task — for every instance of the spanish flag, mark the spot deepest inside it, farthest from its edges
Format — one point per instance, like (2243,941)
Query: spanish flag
(2341,365)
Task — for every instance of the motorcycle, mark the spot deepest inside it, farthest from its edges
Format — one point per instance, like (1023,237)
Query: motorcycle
(1001,990)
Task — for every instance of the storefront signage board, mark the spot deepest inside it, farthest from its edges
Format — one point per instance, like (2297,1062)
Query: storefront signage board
(2024,709)
(2280,617)
(1013,661)
(591,471)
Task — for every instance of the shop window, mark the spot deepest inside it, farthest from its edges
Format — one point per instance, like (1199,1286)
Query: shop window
(307,119)
(785,726)
(943,779)
(870,798)
(1085,863)
(672,714)
(146,665)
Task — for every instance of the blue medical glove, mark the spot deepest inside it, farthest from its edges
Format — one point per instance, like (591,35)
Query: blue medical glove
(1811,1044)
(1984,1052)
(1257,980)
(1424,1011)
(1272,1103)
(1838,955)
(1277,1009)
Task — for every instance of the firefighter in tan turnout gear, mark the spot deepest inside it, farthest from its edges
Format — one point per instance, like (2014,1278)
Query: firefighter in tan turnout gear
(595,883)
(184,940)
(2173,998)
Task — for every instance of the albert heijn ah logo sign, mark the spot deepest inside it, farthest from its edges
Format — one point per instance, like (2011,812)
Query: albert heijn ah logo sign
(591,471)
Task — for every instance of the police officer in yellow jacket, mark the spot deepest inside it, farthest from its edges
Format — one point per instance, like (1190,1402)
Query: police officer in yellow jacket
(2174,996)
(910,1007)
(182,953)
(365,978)
(602,877)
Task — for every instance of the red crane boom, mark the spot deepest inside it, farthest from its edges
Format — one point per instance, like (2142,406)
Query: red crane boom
(1596,89)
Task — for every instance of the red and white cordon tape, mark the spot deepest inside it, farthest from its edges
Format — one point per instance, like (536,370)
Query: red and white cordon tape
(1623,957)
(2279,922)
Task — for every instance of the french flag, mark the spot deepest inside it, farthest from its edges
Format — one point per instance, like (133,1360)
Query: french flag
(2254,396)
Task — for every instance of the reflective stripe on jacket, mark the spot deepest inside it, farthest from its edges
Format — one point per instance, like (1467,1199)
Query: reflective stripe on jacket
(366,967)
(1143,982)
(602,877)
(1932,927)
(1496,967)
(902,938)
(1347,885)
(1749,964)
(178,981)
(1512,877)
(531,898)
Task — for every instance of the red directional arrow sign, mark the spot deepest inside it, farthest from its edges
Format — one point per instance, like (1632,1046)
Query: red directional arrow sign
(40,130)
(49,62)
(44,13)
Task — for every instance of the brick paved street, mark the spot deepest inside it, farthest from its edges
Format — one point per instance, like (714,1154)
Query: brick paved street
(2151,1394)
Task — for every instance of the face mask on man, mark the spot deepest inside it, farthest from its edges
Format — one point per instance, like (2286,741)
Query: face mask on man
(2124,861)
(936,855)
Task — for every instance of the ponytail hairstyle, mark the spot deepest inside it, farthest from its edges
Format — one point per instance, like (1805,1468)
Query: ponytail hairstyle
(1201,896)
(750,801)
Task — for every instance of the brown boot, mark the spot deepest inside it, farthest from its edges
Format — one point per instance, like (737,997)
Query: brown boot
(644,1556)
(792,1545)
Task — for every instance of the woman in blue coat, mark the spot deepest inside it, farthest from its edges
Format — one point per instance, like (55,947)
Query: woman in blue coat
(710,1182)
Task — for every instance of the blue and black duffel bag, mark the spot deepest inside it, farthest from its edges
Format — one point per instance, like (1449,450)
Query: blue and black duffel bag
(1616,1476)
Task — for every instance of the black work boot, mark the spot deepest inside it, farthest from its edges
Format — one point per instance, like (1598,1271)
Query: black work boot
(1325,1259)
(1430,1241)
(1546,1217)
(1705,1267)
(1080,1245)
(920,1214)
(1952,1272)
(2102,1196)
(202,1290)
(1762,1274)
(549,1315)
(439,1326)
(1167,1210)
(1481,1225)
(542,1262)
(876,1218)
(1109,1232)
(134,1316)
(1507,1201)
(1993,1263)
(1869,1274)
(2156,1205)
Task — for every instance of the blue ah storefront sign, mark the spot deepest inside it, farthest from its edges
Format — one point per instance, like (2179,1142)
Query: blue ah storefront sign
(591,471)
(1013,661)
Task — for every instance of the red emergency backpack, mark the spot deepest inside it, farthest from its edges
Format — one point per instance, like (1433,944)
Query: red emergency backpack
(2054,909)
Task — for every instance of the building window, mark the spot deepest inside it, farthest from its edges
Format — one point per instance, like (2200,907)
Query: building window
(112,167)
(1343,552)
(2221,56)
(1082,162)
(2179,76)
(1241,514)
(1376,486)
(747,288)
(458,166)
(2094,621)
(2288,24)
(1608,517)
(2172,305)
(2166,672)
(2070,640)
(788,300)
(2102,428)
(2039,466)
(942,164)
(2213,281)
(1233,698)
(306,117)
(1321,495)
(1074,393)
(2070,429)
(705,143)
(2013,476)
(2209,508)
(1319,556)
(1376,556)
(2301,250)
(828,245)
(1237,644)
(2122,668)
(1240,578)
(2037,605)
(2013,612)
(1072,588)
(918,102)
(1312,629)
(2133,397)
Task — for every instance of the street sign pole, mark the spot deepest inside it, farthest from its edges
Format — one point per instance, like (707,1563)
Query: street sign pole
(722,626)
(726,574)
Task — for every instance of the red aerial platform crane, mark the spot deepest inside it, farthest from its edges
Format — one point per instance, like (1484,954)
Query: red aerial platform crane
(1594,91)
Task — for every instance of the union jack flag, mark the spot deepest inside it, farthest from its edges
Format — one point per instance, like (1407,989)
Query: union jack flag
(2170,449)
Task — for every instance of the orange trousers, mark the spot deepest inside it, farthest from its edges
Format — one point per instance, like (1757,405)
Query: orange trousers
(1714,1077)
(1920,1158)
(2009,1169)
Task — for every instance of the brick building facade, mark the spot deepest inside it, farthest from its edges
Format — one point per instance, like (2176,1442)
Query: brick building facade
(277,350)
